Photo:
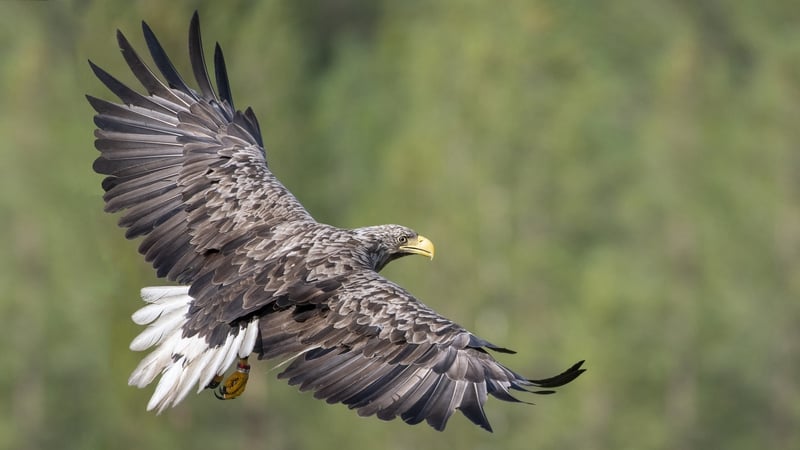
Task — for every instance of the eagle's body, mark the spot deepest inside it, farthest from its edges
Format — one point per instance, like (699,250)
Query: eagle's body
(259,275)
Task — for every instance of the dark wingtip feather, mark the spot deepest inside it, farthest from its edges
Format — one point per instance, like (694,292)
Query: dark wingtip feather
(198,59)
(124,93)
(472,407)
(163,62)
(476,415)
(95,102)
(255,127)
(143,73)
(563,378)
(501,349)
(476,342)
(221,73)
(100,73)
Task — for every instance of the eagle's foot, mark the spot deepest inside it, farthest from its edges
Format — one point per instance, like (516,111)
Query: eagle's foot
(235,384)
(215,382)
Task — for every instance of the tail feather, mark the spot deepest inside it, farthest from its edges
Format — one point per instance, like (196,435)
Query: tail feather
(182,362)
(150,313)
(160,330)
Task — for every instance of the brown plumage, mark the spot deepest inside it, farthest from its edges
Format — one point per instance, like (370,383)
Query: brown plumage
(258,274)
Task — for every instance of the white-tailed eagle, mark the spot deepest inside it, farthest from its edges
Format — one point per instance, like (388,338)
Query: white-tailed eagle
(257,274)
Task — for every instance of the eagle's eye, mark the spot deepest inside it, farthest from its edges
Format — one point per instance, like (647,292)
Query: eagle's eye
(402,239)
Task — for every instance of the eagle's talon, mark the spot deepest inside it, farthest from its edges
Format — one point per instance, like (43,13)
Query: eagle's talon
(235,384)
(214,382)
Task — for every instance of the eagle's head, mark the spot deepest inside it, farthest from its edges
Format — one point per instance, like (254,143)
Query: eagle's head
(385,243)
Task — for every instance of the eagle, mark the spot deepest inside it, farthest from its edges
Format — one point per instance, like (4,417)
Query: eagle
(255,274)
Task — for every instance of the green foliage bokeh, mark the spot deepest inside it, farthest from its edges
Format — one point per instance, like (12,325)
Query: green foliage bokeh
(613,181)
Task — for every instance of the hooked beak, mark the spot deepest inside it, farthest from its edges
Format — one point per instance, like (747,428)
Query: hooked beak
(420,246)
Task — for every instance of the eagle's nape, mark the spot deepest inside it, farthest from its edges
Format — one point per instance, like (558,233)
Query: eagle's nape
(259,275)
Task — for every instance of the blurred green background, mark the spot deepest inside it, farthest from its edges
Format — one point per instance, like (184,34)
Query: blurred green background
(617,181)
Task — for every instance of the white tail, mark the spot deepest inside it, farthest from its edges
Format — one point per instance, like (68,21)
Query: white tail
(181,361)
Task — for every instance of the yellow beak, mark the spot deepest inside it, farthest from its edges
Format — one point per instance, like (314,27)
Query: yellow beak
(420,246)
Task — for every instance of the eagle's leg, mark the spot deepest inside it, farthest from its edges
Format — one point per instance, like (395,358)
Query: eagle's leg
(215,382)
(234,385)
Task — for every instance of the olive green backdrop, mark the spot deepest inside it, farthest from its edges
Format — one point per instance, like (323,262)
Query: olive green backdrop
(614,181)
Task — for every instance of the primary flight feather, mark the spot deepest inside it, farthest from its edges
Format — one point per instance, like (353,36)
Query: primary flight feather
(258,275)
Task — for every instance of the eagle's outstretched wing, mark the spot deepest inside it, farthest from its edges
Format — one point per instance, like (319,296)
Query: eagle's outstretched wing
(375,348)
(188,170)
